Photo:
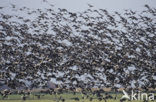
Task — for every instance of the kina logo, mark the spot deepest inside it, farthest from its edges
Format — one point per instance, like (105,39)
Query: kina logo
(125,96)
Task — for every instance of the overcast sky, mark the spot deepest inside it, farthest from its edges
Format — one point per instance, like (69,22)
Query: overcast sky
(79,5)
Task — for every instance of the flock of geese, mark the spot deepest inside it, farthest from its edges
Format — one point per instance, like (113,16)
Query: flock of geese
(94,48)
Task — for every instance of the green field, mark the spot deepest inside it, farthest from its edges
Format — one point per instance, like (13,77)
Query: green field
(67,101)
(69,97)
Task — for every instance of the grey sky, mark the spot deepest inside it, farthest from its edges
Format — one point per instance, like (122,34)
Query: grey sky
(79,5)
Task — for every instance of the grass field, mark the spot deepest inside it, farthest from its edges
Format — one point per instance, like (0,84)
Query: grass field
(67,101)
(54,98)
